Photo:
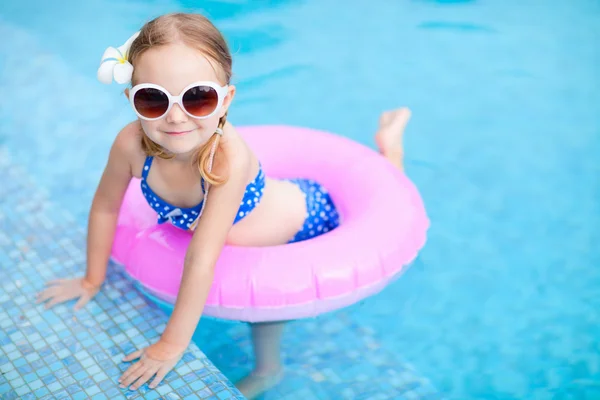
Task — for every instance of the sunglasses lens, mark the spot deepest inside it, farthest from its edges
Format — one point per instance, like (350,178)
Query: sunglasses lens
(151,103)
(200,101)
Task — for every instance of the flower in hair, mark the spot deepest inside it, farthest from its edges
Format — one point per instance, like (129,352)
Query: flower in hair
(115,63)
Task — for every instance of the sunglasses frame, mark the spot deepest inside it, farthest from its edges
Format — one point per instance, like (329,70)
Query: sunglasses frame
(221,94)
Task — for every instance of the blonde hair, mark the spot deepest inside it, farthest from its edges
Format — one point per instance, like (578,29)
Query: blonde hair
(198,32)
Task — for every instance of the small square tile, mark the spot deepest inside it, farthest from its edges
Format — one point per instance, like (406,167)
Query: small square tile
(92,390)
(36,384)
(80,375)
(153,395)
(80,396)
(20,363)
(224,395)
(204,393)
(17,382)
(86,383)
(197,385)
(72,388)
(176,384)
(11,375)
(163,389)
(93,370)
(42,372)
(61,373)
(112,392)
(48,379)
(62,394)
(87,363)
(54,387)
(41,392)
(21,391)
(184,391)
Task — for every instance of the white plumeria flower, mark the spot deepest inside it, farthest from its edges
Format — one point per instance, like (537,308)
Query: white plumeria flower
(115,63)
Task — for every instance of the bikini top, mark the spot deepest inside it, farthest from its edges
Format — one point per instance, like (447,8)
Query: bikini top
(185,218)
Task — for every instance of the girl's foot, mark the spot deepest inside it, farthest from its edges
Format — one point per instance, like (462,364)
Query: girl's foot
(256,384)
(390,134)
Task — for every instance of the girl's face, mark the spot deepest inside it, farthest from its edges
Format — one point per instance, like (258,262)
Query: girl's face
(174,67)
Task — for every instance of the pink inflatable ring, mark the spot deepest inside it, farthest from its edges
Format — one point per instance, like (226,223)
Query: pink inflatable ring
(383,227)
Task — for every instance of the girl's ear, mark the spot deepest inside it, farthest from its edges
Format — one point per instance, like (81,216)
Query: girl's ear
(228,99)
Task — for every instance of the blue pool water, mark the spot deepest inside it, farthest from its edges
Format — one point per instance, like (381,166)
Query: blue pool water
(504,301)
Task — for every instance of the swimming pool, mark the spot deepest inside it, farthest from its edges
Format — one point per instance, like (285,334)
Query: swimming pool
(504,300)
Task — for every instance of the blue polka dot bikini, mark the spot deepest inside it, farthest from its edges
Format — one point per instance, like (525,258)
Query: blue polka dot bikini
(321,214)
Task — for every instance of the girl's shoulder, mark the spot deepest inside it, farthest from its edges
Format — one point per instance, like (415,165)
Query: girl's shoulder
(236,155)
(128,147)
(235,145)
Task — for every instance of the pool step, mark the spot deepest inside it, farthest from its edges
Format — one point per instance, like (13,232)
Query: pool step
(47,354)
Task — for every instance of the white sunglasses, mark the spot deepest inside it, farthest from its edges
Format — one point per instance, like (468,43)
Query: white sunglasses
(199,100)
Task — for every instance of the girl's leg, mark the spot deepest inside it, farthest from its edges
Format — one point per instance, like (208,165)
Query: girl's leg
(268,369)
(266,336)
(390,134)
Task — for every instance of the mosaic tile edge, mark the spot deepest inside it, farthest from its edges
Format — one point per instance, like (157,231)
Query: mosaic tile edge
(59,353)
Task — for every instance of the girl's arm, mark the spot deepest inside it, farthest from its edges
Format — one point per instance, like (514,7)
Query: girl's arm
(205,247)
(106,205)
(101,227)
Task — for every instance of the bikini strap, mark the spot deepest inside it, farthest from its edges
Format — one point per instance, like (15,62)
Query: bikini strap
(146,168)
(206,186)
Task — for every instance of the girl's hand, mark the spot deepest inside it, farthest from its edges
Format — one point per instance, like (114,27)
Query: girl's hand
(158,359)
(61,290)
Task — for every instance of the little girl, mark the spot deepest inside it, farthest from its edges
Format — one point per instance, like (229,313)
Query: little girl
(200,175)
